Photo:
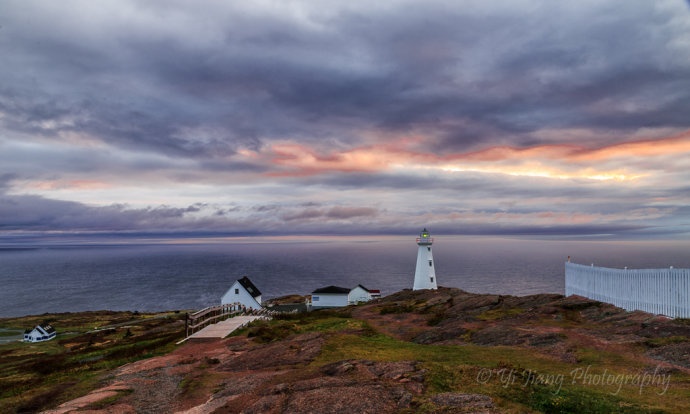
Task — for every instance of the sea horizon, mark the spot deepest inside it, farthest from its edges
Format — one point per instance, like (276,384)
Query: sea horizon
(150,274)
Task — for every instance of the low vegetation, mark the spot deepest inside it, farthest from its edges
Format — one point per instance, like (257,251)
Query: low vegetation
(424,351)
(562,356)
(36,376)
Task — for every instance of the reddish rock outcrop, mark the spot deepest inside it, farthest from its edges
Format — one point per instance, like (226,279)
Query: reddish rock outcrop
(284,375)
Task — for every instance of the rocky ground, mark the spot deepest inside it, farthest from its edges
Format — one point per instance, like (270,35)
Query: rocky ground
(444,351)
(548,323)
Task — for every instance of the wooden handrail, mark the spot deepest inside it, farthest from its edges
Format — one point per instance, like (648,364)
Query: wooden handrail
(209,315)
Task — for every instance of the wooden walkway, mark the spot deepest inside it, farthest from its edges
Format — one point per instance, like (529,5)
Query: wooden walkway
(224,328)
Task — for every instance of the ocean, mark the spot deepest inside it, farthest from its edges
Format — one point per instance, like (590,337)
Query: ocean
(180,274)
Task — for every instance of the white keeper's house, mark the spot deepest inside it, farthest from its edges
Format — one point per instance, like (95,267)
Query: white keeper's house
(361,294)
(40,333)
(335,296)
(244,293)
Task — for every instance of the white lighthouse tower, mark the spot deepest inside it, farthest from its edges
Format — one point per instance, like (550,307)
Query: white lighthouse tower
(425,273)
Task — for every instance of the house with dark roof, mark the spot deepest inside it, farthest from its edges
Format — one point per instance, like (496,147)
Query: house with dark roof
(335,296)
(360,294)
(40,333)
(244,293)
(330,297)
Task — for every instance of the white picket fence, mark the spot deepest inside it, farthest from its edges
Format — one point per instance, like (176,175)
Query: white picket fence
(659,291)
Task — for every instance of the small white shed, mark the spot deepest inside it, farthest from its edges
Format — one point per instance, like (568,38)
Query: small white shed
(42,332)
(243,292)
(359,294)
(330,297)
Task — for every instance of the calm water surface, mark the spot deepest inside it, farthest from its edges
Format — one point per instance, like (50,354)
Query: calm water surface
(166,276)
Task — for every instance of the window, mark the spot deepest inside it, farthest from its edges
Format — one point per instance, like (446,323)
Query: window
(430,263)
(237,291)
(314,298)
(432,279)
(428,248)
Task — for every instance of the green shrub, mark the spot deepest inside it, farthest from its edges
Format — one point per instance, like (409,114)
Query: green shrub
(396,308)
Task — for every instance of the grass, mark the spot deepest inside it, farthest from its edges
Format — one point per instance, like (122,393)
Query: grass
(519,379)
(662,341)
(601,382)
(10,332)
(500,313)
(515,377)
(37,376)
(283,326)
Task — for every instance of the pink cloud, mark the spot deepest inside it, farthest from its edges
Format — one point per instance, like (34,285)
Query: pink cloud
(290,159)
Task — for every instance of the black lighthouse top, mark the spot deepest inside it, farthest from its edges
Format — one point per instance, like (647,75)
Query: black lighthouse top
(424,238)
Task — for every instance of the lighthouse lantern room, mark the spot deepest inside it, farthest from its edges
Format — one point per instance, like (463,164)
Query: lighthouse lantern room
(425,273)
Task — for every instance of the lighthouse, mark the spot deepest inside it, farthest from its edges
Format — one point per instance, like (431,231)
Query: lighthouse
(425,273)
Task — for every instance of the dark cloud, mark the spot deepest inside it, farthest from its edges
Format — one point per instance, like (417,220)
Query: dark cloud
(332,213)
(33,213)
(168,93)
(472,186)
(5,180)
(37,214)
(494,71)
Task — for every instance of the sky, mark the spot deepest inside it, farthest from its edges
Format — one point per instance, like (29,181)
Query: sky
(520,117)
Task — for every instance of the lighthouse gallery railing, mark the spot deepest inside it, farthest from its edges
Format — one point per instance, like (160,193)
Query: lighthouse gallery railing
(659,291)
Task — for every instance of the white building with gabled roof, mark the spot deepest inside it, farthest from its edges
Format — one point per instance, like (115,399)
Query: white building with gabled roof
(244,293)
(330,297)
(359,294)
(40,333)
(335,296)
